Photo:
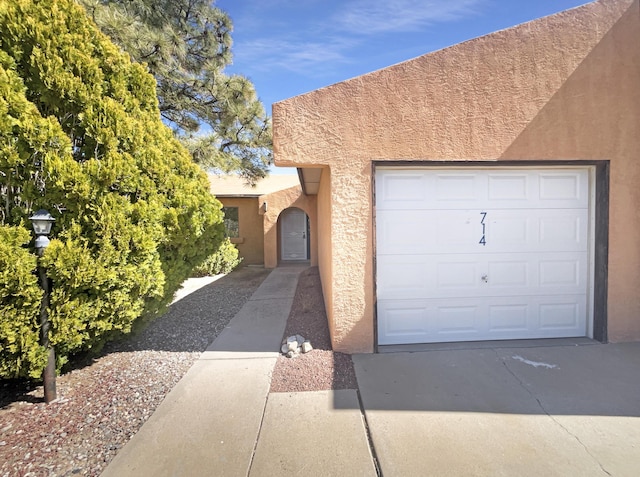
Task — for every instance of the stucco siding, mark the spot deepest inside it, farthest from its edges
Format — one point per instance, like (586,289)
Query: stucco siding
(595,115)
(469,101)
(563,87)
(277,202)
(325,259)
(251,246)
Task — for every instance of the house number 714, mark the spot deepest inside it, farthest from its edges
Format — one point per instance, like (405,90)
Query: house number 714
(483,240)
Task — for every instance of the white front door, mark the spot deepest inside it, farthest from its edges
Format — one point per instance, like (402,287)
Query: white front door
(482,254)
(293,229)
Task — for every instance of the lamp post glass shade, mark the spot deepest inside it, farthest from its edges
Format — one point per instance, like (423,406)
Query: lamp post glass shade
(42,222)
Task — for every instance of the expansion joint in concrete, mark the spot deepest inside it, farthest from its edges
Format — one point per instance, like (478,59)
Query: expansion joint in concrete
(372,448)
(271,298)
(550,416)
(255,444)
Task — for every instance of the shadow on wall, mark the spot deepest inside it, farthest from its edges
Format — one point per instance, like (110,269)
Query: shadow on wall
(593,116)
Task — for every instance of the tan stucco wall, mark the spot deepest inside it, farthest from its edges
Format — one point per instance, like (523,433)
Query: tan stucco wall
(563,87)
(325,256)
(251,247)
(277,202)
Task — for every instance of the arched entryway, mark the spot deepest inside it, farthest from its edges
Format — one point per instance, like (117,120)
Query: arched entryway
(294,235)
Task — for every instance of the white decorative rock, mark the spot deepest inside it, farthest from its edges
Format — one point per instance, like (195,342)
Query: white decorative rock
(284,348)
(292,346)
(290,354)
(306,347)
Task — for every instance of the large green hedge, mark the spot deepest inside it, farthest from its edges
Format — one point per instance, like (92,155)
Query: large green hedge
(81,136)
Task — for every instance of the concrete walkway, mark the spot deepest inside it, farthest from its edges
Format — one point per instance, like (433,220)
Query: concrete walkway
(549,407)
(220,420)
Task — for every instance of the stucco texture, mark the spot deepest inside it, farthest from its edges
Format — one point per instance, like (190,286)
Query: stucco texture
(277,203)
(564,87)
(250,243)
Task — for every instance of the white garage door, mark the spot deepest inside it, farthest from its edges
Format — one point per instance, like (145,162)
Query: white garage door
(481,254)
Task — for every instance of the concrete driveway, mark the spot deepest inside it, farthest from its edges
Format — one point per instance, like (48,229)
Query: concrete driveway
(571,408)
(538,411)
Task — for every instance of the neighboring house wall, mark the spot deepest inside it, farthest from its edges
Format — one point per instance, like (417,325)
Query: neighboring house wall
(250,243)
(277,202)
(259,211)
(563,87)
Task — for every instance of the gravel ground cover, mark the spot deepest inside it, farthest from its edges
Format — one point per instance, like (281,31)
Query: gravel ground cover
(105,400)
(321,369)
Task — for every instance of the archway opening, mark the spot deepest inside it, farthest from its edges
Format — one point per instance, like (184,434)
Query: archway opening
(293,226)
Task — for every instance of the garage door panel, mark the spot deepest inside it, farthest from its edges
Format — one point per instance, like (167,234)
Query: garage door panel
(509,274)
(481,231)
(455,187)
(482,254)
(509,187)
(563,230)
(411,189)
(427,276)
(404,277)
(402,190)
(560,316)
(509,318)
(459,276)
(453,276)
(563,271)
(407,322)
(567,186)
(535,230)
(394,235)
(453,230)
(549,273)
(509,230)
(498,318)
(425,231)
(458,319)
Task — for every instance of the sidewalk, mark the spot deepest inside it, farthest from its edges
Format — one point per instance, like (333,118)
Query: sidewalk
(220,420)
(540,407)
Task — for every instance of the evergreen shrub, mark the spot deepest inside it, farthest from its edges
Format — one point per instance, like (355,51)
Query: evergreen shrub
(20,298)
(224,260)
(81,136)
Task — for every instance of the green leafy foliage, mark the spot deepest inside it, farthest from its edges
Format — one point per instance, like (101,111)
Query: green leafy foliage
(186,44)
(20,298)
(81,136)
(224,260)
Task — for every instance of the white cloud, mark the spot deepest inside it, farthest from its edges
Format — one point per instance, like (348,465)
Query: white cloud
(293,55)
(339,29)
(368,17)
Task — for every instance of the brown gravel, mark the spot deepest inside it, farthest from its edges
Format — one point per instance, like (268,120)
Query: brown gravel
(321,369)
(105,400)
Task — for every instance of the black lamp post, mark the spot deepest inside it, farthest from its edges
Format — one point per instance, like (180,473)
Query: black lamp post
(42,222)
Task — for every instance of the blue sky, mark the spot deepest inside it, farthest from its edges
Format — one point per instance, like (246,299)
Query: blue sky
(290,47)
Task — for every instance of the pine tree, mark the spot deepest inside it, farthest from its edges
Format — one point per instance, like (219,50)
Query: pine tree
(81,136)
(186,45)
